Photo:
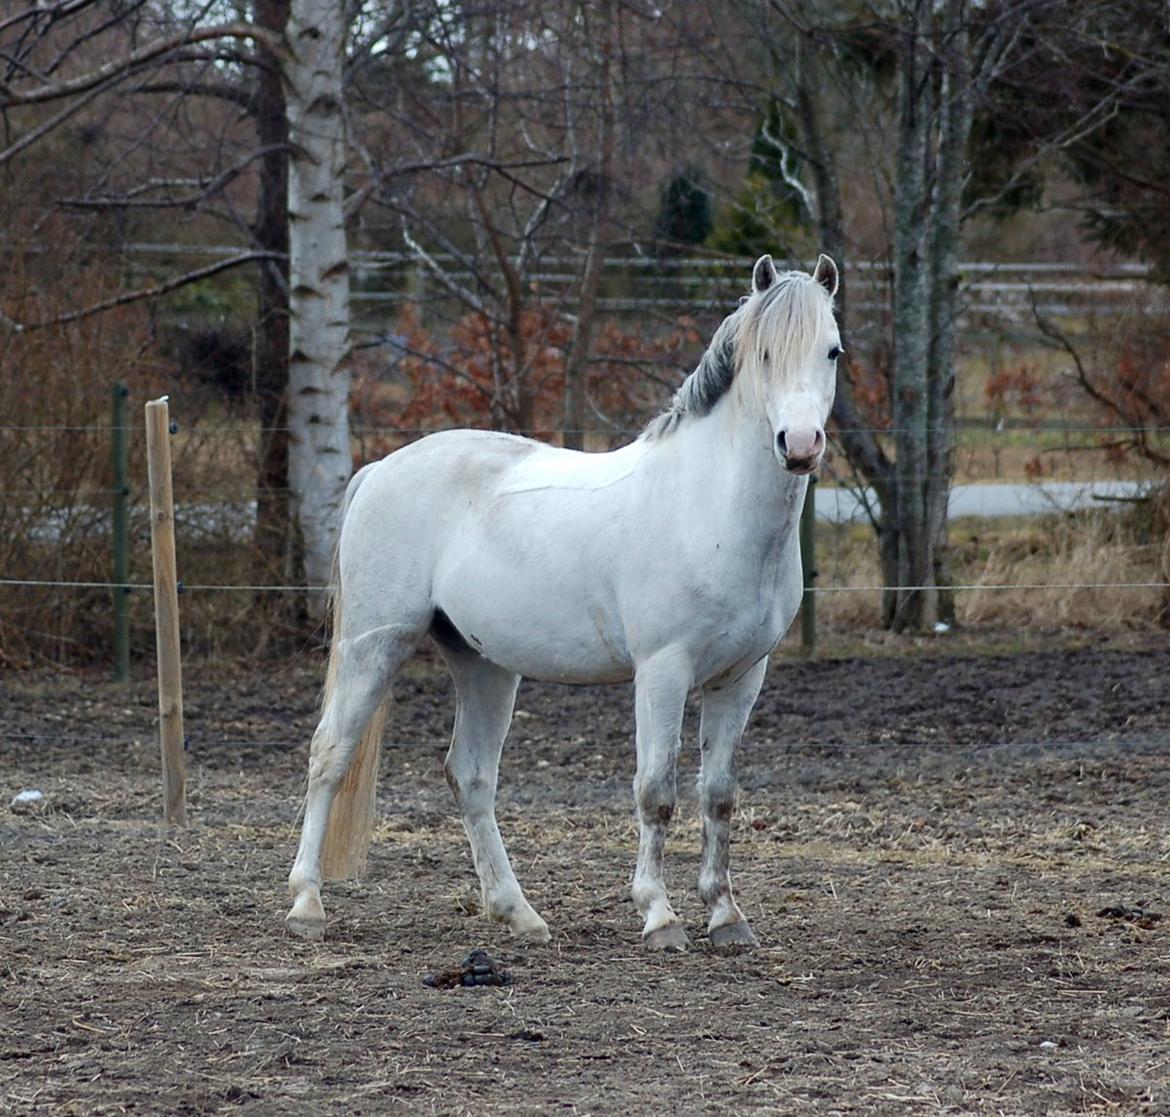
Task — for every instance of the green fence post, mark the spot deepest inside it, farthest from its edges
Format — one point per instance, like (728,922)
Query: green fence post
(120,459)
(808,568)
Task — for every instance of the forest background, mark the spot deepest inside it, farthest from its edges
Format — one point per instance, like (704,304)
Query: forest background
(326,229)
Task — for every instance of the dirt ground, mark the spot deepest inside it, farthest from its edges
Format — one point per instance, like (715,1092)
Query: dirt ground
(955,865)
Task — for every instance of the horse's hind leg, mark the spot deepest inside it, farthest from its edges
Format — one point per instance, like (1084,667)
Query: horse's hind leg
(361,671)
(485,696)
(726,708)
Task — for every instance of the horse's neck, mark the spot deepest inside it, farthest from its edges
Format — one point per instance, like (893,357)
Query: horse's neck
(724,463)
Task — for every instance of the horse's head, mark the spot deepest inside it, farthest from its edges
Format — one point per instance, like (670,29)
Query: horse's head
(788,348)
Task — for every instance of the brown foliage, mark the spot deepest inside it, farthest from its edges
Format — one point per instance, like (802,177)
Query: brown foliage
(1017,388)
(483,375)
(870,376)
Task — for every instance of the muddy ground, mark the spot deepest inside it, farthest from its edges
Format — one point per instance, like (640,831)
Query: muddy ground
(954,864)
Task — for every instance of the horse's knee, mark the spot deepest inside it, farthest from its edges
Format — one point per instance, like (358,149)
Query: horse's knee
(656,798)
(717,798)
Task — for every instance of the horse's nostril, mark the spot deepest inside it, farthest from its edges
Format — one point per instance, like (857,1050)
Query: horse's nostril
(782,444)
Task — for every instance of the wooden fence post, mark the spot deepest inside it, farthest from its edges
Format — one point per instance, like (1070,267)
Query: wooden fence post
(119,460)
(166,612)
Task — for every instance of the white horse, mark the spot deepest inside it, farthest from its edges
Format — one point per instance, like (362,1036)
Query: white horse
(673,561)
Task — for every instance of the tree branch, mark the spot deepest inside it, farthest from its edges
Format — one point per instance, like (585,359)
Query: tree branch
(205,187)
(55,91)
(157,290)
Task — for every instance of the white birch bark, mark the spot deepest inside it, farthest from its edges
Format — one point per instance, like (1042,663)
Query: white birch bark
(319,377)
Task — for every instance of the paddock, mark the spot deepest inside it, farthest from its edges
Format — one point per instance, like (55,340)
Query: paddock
(954,860)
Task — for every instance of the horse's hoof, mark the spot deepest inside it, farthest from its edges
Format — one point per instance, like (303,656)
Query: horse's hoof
(732,936)
(534,933)
(521,919)
(671,937)
(311,929)
(307,918)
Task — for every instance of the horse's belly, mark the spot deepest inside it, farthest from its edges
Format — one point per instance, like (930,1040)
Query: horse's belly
(550,652)
(536,622)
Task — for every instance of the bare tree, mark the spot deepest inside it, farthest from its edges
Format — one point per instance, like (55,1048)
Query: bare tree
(600,33)
(162,69)
(913,72)
(522,159)
(270,228)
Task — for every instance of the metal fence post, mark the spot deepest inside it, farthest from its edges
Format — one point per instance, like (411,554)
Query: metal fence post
(120,461)
(808,568)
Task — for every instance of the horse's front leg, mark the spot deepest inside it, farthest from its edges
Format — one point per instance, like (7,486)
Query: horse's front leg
(660,688)
(726,706)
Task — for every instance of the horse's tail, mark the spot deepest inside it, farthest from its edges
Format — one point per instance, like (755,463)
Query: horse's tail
(351,818)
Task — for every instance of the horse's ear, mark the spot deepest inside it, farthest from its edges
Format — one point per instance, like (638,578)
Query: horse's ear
(763,274)
(825,273)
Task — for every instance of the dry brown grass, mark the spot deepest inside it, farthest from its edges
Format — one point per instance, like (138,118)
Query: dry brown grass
(1096,569)
(1101,567)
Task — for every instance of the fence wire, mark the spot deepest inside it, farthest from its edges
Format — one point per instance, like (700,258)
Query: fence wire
(185,588)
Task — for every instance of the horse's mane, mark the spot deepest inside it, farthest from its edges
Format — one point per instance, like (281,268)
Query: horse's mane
(779,322)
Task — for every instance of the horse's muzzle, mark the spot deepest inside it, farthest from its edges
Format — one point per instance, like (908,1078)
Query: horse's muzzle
(802,466)
(800,452)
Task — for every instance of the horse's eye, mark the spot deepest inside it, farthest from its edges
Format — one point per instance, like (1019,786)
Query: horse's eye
(835,352)
(765,354)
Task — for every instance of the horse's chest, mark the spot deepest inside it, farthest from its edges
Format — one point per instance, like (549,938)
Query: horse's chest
(738,622)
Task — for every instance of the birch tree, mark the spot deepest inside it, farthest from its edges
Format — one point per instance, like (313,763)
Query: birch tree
(319,337)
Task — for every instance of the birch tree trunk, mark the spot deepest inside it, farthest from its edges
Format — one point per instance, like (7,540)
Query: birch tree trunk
(319,347)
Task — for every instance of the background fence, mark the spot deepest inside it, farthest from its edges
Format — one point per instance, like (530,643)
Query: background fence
(76,585)
(74,527)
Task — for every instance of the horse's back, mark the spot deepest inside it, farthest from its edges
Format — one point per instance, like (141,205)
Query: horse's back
(471,458)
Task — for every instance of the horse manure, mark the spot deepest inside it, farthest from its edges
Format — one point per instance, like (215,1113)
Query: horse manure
(478,968)
(528,1035)
(1139,917)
